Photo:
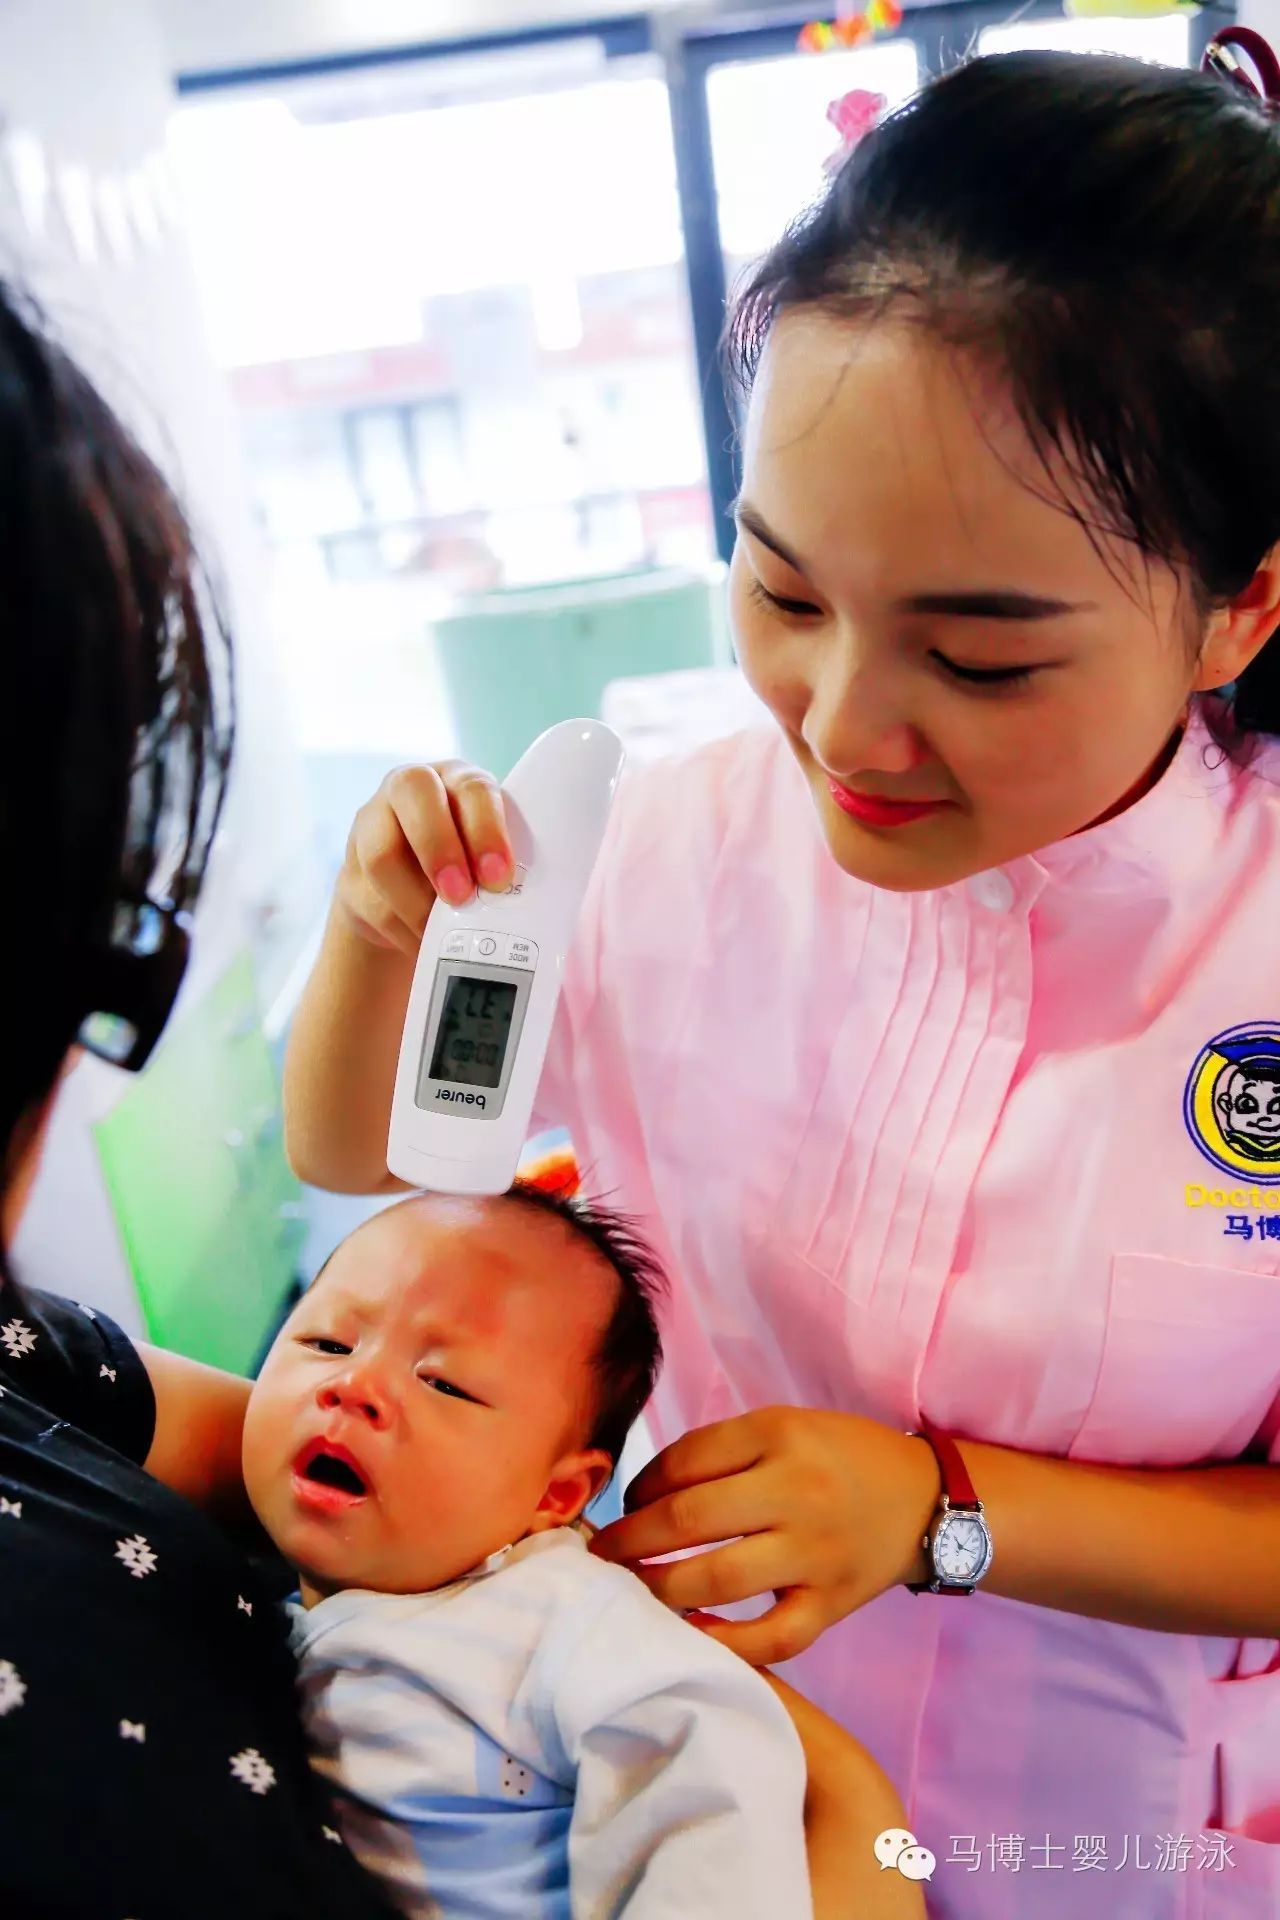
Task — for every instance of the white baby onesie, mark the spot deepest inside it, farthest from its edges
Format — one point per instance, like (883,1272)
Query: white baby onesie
(545,1741)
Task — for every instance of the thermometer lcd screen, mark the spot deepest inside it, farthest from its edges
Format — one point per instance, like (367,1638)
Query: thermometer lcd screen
(475,1028)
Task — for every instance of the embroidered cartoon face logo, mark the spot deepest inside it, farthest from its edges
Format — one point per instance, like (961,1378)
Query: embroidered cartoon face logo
(1232,1101)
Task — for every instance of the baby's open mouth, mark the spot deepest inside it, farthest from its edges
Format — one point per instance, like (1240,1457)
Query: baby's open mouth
(323,1464)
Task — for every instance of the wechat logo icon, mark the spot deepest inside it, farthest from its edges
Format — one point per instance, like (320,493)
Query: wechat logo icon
(895,1847)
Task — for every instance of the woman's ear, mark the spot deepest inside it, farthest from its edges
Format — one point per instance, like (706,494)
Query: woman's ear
(575,1481)
(1238,632)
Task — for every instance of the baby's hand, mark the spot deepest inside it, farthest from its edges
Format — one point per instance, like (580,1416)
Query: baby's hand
(426,831)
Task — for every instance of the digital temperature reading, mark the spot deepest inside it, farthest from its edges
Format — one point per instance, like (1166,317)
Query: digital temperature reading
(474,1032)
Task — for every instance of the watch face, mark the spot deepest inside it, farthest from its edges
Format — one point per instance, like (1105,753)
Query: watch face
(961,1549)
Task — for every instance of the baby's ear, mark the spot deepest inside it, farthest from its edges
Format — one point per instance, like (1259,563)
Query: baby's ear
(575,1481)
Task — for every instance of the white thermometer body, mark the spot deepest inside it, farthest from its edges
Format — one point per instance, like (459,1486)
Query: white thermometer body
(488,977)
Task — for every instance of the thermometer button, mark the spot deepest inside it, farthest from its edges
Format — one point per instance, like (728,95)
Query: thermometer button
(521,953)
(483,946)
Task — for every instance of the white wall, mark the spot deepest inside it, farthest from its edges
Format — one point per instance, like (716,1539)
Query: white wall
(1264,17)
(89,80)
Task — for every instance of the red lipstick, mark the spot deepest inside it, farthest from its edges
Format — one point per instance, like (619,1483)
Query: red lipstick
(874,811)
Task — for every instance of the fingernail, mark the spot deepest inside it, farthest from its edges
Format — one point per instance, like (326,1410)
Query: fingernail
(454,884)
(493,869)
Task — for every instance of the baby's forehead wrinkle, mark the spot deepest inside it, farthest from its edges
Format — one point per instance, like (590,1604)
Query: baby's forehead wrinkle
(460,1269)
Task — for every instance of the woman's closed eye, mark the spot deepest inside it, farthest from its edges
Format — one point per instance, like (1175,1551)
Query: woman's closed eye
(1002,678)
(780,602)
(983,676)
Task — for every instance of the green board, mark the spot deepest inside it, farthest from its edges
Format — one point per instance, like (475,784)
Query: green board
(193,1156)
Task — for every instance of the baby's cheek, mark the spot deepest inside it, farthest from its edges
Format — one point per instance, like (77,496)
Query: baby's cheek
(260,1451)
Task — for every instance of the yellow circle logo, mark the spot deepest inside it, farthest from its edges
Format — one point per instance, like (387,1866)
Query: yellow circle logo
(1232,1100)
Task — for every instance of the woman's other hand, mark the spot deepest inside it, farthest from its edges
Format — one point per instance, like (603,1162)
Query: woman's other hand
(823,1510)
(427,831)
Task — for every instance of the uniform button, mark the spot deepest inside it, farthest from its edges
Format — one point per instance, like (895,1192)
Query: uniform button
(994,890)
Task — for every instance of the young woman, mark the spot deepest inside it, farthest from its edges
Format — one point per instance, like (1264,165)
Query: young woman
(938,1030)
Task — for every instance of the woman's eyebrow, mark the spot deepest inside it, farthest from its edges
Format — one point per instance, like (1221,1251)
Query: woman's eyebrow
(986,603)
(754,521)
(992,603)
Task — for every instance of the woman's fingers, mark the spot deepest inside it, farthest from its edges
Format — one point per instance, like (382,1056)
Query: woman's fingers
(394,889)
(697,1516)
(739,1571)
(476,804)
(427,831)
(417,799)
(786,1630)
(708,1453)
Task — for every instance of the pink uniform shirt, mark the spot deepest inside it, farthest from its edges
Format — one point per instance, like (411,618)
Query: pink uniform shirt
(993,1154)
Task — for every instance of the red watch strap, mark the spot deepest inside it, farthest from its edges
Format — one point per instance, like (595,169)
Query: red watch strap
(956,1483)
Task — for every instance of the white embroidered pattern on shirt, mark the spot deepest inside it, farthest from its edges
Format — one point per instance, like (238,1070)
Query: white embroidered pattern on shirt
(253,1771)
(11,1507)
(18,1338)
(13,1688)
(243,1605)
(329,1834)
(105,1372)
(137,1554)
(133,1730)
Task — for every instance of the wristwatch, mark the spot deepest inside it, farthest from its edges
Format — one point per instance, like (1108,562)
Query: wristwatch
(960,1546)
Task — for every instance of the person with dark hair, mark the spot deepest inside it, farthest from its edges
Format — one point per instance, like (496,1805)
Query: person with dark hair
(901,1021)
(511,1726)
(151,1760)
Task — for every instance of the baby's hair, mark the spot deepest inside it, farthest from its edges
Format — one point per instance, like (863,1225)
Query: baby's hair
(1107,235)
(629,1355)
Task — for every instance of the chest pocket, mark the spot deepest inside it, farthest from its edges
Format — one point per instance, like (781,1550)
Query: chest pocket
(1190,1364)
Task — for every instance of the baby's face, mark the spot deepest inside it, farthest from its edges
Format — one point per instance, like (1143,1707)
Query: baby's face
(428,1400)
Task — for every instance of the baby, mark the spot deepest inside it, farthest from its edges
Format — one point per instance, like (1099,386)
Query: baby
(511,1726)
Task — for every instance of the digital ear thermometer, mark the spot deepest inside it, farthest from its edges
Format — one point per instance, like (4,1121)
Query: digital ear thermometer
(488,975)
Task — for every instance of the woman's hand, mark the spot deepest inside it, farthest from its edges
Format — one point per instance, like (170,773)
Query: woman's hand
(824,1510)
(426,831)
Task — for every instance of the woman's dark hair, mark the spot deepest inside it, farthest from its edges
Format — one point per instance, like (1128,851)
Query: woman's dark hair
(1108,234)
(116,721)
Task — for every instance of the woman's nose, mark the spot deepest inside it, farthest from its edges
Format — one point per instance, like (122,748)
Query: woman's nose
(853,726)
(358,1393)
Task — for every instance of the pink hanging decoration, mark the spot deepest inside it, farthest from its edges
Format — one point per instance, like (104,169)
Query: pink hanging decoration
(853,116)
